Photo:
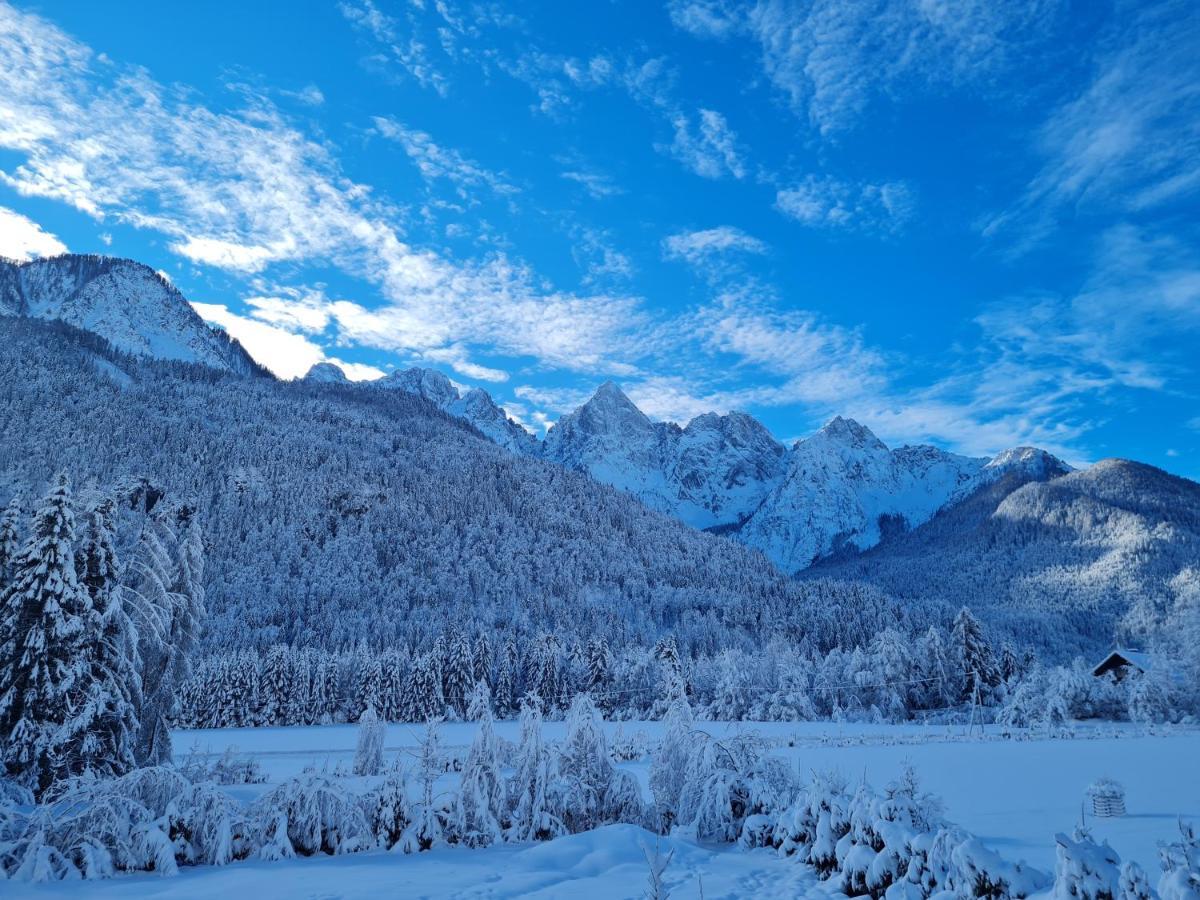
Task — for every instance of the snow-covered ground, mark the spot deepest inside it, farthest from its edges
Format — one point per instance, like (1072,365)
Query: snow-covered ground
(1013,794)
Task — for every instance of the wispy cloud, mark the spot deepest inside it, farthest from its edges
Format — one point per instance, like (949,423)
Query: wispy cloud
(833,58)
(700,249)
(825,202)
(1130,141)
(246,190)
(597,184)
(707,145)
(21,238)
(436,162)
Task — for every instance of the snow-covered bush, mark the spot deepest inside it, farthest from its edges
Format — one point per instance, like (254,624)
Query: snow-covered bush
(387,809)
(1084,869)
(207,826)
(310,814)
(89,828)
(980,872)
(1181,866)
(229,768)
(812,826)
(1134,884)
(727,781)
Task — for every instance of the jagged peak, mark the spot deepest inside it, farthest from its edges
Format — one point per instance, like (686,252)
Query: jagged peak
(428,383)
(326,373)
(848,431)
(1031,459)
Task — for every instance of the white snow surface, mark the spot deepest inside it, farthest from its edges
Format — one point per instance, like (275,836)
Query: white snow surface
(1014,794)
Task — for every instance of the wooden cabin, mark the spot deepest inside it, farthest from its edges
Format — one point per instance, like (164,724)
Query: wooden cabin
(1121,663)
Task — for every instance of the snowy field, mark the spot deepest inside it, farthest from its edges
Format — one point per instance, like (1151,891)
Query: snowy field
(1013,794)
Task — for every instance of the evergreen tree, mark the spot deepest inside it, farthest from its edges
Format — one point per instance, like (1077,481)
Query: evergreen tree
(458,674)
(973,654)
(10,540)
(102,736)
(670,763)
(43,651)
(481,795)
(506,673)
(168,590)
(274,686)
(533,799)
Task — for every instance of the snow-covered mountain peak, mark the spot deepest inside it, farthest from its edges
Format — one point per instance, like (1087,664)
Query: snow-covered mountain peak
(1031,460)
(326,373)
(610,408)
(125,302)
(849,433)
(428,383)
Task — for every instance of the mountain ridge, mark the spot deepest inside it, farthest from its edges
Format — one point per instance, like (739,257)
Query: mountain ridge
(127,303)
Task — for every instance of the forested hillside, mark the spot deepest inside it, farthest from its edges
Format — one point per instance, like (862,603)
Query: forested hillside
(336,516)
(1061,564)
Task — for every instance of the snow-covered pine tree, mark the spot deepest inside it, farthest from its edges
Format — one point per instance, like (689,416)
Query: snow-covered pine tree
(167,586)
(368,756)
(458,674)
(505,693)
(368,680)
(585,767)
(973,656)
(599,668)
(102,735)
(426,830)
(533,798)
(274,685)
(669,765)
(423,691)
(482,656)
(10,540)
(43,654)
(481,793)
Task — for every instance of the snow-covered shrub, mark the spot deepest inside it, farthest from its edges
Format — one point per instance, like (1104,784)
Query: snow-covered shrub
(387,809)
(1134,884)
(207,826)
(230,768)
(980,872)
(1181,866)
(727,781)
(811,827)
(1084,869)
(629,748)
(89,828)
(368,756)
(309,814)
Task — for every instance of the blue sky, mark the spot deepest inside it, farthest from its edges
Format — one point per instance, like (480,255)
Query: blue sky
(968,223)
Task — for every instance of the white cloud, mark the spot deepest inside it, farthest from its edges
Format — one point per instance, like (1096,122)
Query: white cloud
(1130,141)
(710,149)
(696,247)
(435,162)
(357,371)
(22,238)
(825,202)
(247,190)
(286,354)
(595,183)
(833,58)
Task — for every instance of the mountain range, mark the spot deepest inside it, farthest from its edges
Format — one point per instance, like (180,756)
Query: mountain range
(1019,535)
